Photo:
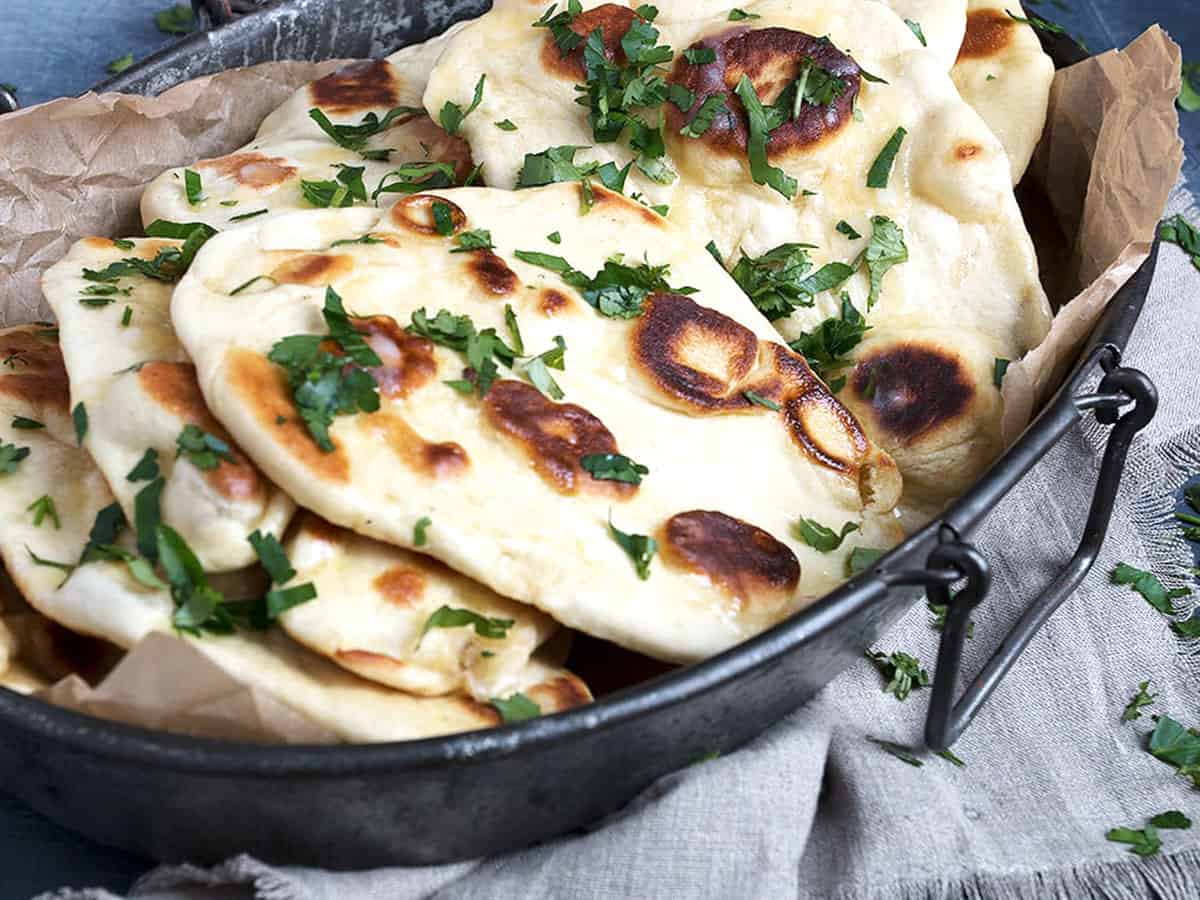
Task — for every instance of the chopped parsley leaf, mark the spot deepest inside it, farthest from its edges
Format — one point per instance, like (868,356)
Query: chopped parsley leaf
(700,56)
(355,137)
(1143,842)
(127,317)
(272,556)
(204,451)
(485,350)
(245,284)
(904,672)
(414,177)
(146,468)
(761,169)
(847,229)
(820,537)
(1039,23)
(340,193)
(193,187)
(613,467)
(120,64)
(703,119)
(740,15)
(419,531)
(825,348)
(1172,818)
(325,384)
(1189,88)
(554,237)
(485,626)
(452,115)
(478,239)
(1143,698)
(443,218)
(881,169)
(241,217)
(516,708)
(79,418)
(1177,230)
(861,559)
(505,125)
(26,424)
(777,282)
(638,547)
(559,25)
(1148,585)
(759,400)
(177,19)
(999,368)
(885,249)
(902,753)
(42,507)
(915,28)
(617,290)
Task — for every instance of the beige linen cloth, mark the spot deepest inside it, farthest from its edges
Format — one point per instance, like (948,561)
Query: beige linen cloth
(814,810)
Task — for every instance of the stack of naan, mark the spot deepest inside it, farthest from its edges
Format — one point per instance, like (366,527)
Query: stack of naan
(651,324)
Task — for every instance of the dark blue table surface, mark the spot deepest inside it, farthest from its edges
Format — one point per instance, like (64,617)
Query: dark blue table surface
(53,48)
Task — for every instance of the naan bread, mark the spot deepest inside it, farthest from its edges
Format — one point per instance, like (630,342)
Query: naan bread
(373,603)
(290,147)
(970,263)
(139,390)
(1005,75)
(501,479)
(101,599)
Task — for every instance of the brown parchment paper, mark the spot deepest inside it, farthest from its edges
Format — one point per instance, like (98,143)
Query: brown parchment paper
(76,167)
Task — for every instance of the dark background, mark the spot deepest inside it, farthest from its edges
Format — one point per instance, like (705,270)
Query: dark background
(53,48)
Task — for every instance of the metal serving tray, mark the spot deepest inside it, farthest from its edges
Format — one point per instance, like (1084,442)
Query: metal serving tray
(485,792)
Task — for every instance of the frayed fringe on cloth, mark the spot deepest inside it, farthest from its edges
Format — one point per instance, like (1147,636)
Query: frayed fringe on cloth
(1173,877)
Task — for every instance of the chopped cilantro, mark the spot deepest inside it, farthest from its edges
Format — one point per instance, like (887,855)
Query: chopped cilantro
(885,249)
(1189,88)
(861,559)
(999,368)
(505,125)
(420,530)
(325,384)
(245,284)
(192,187)
(146,468)
(452,115)
(443,218)
(613,467)
(559,25)
(516,708)
(414,177)
(1148,585)
(478,239)
(1177,230)
(902,671)
(638,547)
(761,169)
(1143,842)
(902,753)
(881,169)
(486,627)
(120,64)
(740,15)
(915,28)
(617,290)
(79,418)
(42,507)
(484,350)
(820,537)
(204,451)
(825,348)
(340,193)
(127,317)
(1143,698)
(704,116)
(25,424)
(177,19)
(241,217)
(759,400)
(700,56)
(554,237)
(355,137)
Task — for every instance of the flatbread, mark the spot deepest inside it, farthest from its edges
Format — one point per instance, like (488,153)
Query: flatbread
(374,601)
(1002,71)
(102,600)
(501,479)
(970,263)
(264,176)
(139,390)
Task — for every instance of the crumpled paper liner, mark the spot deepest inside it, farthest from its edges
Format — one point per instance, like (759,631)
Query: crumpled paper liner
(166,684)
(1108,159)
(76,167)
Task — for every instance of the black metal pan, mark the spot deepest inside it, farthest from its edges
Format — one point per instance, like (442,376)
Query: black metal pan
(484,792)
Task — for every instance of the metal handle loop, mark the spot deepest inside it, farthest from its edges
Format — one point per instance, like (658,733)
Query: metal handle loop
(947,719)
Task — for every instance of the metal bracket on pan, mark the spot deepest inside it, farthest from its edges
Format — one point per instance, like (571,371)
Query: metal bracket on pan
(954,559)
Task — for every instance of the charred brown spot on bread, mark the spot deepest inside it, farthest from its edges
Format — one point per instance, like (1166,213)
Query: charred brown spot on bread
(552,302)
(612,19)
(772,59)
(564,692)
(251,169)
(174,387)
(32,370)
(262,387)
(434,460)
(313,526)
(491,273)
(99,243)
(442,147)
(415,213)
(554,436)
(614,202)
(484,713)
(912,388)
(408,361)
(745,561)
(693,354)
(988,32)
(401,585)
(967,150)
(313,268)
(356,87)
(820,425)
(368,660)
